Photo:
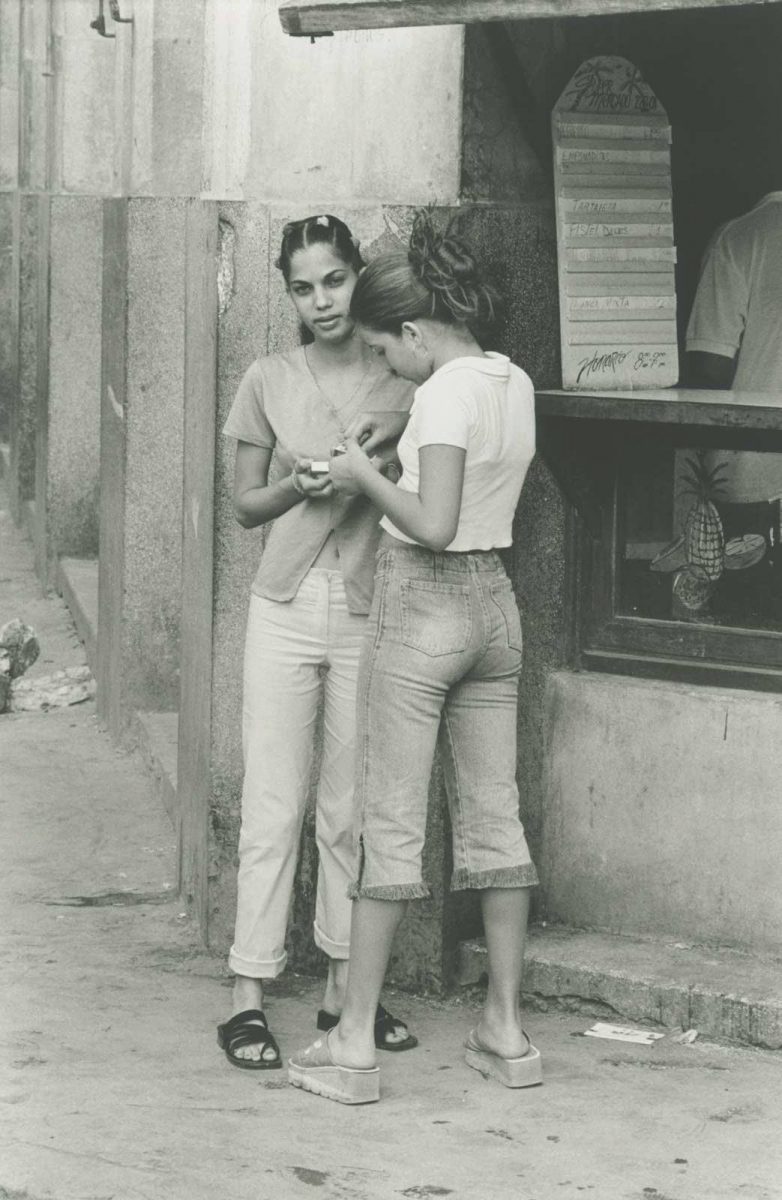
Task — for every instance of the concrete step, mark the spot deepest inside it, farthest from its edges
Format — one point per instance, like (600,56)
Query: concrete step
(77,583)
(722,993)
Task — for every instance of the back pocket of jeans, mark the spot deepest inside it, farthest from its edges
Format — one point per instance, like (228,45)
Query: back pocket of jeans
(436,617)
(502,595)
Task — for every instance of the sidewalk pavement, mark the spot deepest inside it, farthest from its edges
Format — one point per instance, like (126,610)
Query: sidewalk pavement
(112,1086)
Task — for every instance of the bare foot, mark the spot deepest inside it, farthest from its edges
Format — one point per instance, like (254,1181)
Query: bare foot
(352,1050)
(504,1038)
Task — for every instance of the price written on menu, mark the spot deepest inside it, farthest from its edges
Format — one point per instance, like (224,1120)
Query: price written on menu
(616,254)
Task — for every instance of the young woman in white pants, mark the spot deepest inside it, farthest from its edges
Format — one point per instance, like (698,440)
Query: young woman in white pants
(308,611)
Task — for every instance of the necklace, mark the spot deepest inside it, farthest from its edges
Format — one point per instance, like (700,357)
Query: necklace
(330,405)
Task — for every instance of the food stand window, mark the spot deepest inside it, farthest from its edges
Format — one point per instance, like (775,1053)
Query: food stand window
(672,576)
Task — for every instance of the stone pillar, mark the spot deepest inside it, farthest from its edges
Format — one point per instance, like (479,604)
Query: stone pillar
(194,775)
(141,458)
(220,558)
(32,242)
(9,307)
(35,94)
(68,430)
(9,220)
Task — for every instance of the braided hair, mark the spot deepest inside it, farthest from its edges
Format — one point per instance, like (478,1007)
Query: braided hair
(323,228)
(436,278)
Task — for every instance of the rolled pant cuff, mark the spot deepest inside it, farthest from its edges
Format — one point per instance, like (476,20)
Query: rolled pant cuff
(390,891)
(503,877)
(252,968)
(338,950)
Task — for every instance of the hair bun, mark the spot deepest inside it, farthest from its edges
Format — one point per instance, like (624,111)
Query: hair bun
(445,266)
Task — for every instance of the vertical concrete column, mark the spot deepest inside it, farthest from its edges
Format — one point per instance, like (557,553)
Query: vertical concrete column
(33,251)
(84,67)
(40,378)
(227,300)
(160,101)
(9,307)
(141,458)
(194,774)
(35,94)
(10,17)
(68,429)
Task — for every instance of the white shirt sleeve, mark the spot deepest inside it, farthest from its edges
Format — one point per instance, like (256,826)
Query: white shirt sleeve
(719,311)
(443,416)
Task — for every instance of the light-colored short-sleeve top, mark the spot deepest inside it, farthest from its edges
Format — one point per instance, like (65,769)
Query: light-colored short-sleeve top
(279,405)
(738,305)
(487,407)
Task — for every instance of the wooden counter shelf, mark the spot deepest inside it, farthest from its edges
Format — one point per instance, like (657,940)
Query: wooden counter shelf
(668,406)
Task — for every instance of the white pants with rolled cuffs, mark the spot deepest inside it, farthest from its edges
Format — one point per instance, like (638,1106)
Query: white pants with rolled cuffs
(287,645)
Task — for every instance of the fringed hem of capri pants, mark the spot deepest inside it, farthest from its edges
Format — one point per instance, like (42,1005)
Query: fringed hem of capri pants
(440,665)
(287,645)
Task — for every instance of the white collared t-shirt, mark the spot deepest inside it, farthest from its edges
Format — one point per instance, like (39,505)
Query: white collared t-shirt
(487,407)
(738,305)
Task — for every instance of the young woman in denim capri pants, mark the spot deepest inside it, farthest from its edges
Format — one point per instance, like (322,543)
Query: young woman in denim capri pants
(442,654)
(308,611)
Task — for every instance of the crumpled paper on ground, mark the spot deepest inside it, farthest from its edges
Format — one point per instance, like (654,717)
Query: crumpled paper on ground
(73,685)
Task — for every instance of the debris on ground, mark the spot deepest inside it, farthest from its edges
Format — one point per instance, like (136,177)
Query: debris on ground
(687,1037)
(73,685)
(623,1033)
(19,643)
(19,649)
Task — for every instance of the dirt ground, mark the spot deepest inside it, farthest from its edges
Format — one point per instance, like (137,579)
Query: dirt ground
(112,1086)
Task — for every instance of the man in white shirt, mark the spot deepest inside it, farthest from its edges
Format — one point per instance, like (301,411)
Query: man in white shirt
(734,336)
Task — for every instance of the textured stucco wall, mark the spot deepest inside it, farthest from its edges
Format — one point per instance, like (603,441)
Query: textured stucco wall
(154,405)
(242,336)
(9,300)
(9,93)
(288,119)
(662,809)
(22,415)
(73,465)
(35,83)
(83,112)
(140,542)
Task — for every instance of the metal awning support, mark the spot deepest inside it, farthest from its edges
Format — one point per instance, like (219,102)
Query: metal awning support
(318,17)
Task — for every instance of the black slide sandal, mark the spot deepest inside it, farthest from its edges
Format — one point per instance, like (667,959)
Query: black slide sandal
(384,1023)
(242,1030)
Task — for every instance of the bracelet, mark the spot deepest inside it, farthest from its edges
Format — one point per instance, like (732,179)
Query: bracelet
(296,485)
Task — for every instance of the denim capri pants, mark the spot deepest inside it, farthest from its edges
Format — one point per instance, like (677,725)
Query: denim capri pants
(440,666)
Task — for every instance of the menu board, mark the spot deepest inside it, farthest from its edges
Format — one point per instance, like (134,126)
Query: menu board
(616,255)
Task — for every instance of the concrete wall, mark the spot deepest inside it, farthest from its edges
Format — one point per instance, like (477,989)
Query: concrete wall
(662,810)
(73,460)
(83,118)
(31,248)
(9,305)
(289,120)
(10,14)
(141,458)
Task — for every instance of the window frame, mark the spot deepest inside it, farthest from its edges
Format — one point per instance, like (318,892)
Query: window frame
(581,438)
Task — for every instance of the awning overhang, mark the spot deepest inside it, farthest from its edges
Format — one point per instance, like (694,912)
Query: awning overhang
(310,18)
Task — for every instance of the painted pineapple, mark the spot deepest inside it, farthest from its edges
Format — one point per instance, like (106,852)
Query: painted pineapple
(704,538)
